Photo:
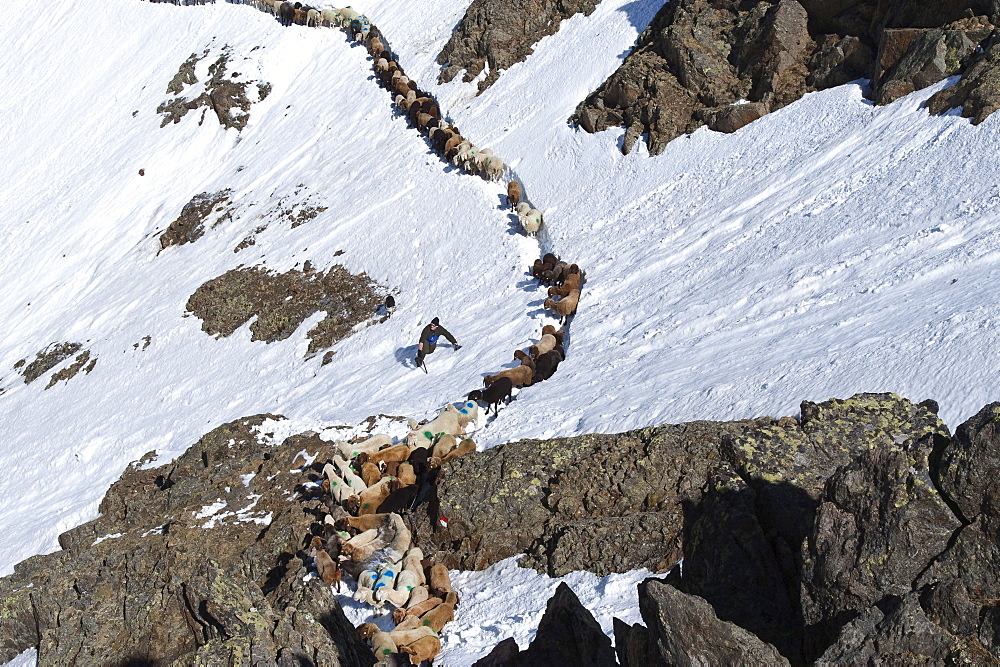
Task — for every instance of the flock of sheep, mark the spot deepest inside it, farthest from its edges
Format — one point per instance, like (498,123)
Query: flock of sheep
(365,486)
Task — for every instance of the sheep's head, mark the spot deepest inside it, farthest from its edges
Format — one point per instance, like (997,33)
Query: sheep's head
(533,351)
(353,504)
(367,630)
(363,458)
(548,303)
(398,615)
(475,395)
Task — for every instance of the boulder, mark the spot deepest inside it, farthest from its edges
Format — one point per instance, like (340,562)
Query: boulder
(903,635)
(914,59)
(497,34)
(684,630)
(978,93)
(194,561)
(881,524)
(568,634)
(605,503)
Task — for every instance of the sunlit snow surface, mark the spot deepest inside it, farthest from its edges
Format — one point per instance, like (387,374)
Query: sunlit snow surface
(830,248)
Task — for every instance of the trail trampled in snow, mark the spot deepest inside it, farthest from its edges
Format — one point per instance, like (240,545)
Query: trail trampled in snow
(830,248)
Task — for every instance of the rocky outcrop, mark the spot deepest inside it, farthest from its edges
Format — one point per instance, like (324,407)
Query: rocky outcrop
(914,58)
(568,634)
(724,64)
(599,502)
(196,561)
(612,503)
(280,302)
(495,34)
(683,629)
(978,93)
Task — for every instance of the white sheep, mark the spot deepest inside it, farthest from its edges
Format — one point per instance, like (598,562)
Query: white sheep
(447,421)
(371,445)
(339,488)
(353,480)
(494,168)
(413,562)
(531,221)
(313,18)
(400,543)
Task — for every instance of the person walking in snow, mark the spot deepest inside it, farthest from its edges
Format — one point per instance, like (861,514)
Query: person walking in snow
(429,338)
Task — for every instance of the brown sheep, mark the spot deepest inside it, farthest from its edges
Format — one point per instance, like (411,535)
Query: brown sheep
(462,449)
(549,329)
(424,649)
(424,120)
(565,306)
(370,473)
(441,614)
(451,146)
(513,194)
(524,358)
(369,500)
(361,523)
(520,376)
(444,444)
(300,16)
(572,282)
(420,608)
(544,344)
(327,568)
(439,581)
(398,452)
(405,473)
(375,47)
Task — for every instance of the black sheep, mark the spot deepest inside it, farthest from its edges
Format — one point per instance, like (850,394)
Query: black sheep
(546,364)
(401,499)
(500,390)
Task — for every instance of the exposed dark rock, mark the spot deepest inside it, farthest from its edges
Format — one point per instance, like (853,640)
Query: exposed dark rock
(978,93)
(903,636)
(499,34)
(83,362)
(47,359)
(635,646)
(568,634)
(560,499)
(838,60)
(911,59)
(684,630)
(503,655)
(961,590)
(190,224)
(880,525)
(226,97)
(730,563)
(698,59)
(282,301)
(194,561)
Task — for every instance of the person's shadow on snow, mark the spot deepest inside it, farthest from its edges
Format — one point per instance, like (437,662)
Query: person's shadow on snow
(406,355)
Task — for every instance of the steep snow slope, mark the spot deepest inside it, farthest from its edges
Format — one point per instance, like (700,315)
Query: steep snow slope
(829,248)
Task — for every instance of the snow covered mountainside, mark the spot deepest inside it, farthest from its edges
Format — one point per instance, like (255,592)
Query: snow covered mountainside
(829,248)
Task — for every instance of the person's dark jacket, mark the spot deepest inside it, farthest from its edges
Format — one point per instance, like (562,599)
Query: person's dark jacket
(428,338)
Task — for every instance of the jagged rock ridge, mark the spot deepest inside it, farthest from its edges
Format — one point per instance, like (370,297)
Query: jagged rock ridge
(726,63)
